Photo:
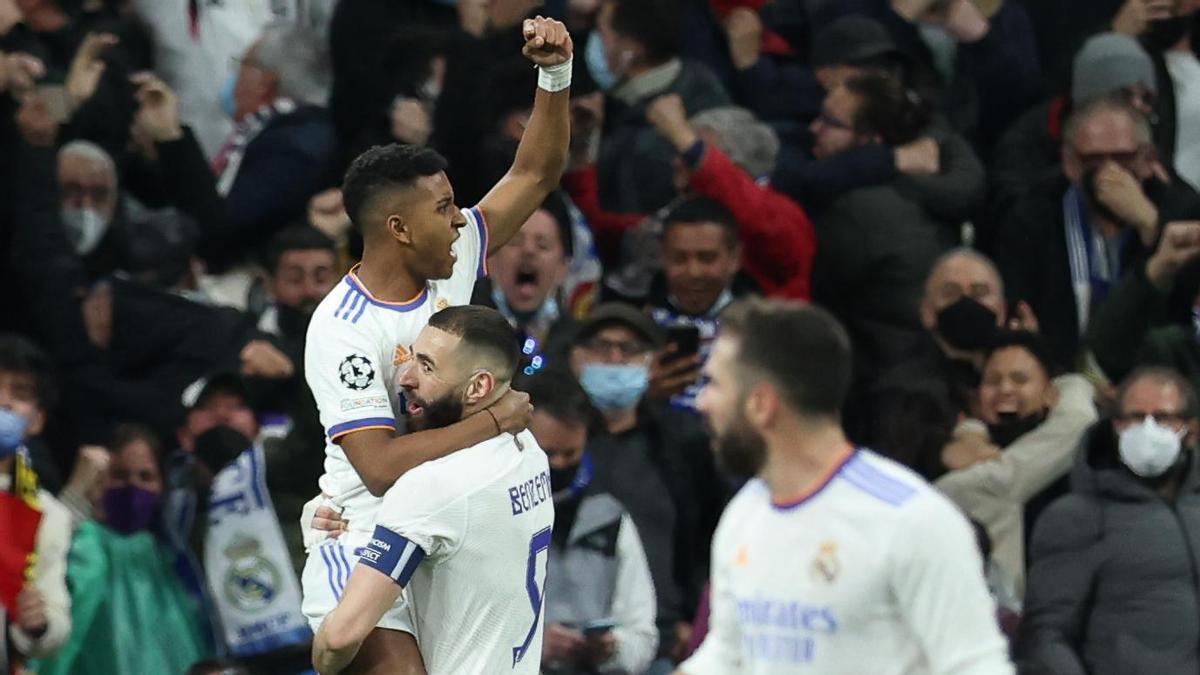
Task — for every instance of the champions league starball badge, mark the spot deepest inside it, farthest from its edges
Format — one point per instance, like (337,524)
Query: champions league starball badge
(356,372)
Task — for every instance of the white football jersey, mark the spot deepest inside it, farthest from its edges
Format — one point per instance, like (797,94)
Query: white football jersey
(871,572)
(355,348)
(468,536)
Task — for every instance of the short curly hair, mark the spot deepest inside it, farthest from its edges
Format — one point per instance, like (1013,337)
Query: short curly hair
(382,168)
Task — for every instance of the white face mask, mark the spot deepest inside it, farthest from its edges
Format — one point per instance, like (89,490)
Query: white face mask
(1149,449)
(85,228)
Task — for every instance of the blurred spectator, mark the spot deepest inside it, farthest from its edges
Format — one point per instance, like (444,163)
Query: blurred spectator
(525,283)
(301,269)
(636,60)
(915,408)
(1108,65)
(877,244)
(216,512)
(1070,240)
(195,43)
(1173,41)
(130,611)
(1138,323)
(653,460)
(768,78)
(983,55)
(724,154)
(846,48)
(600,598)
(363,36)
(33,551)
(999,475)
(701,255)
(1111,579)
(727,154)
(282,148)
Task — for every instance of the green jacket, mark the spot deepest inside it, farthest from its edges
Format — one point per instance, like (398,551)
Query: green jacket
(129,610)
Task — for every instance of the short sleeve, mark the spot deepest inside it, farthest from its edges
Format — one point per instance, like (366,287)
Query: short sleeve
(422,508)
(345,373)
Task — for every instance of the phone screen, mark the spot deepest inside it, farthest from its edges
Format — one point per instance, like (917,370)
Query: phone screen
(686,340)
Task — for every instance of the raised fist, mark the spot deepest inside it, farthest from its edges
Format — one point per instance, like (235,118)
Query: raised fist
(547,42)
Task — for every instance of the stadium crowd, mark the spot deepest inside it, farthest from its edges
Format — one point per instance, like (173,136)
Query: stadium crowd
(996,198)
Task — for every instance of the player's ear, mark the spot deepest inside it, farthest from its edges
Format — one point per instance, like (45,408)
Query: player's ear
(398,229)
(479,387)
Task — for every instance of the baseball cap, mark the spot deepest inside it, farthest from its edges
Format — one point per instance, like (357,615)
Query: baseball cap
(202,390)
(851,40)
(622,314)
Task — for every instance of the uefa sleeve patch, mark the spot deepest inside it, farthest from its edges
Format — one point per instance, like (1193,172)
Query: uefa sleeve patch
(392,555)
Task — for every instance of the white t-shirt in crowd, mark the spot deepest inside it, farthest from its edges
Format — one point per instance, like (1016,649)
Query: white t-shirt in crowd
(872,572)
(1184,68)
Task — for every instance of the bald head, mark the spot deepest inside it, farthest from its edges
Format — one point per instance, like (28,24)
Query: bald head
(962,272)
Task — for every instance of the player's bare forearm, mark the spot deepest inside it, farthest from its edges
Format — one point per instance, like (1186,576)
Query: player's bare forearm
(369,594)
(381,459)
(328,660)
(543,150)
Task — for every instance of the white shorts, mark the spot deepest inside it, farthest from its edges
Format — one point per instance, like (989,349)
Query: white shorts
(326,572)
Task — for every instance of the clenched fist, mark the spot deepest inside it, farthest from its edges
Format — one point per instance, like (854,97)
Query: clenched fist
(547,42)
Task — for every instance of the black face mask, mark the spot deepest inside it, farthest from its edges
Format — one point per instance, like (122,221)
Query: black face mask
(1008,430)
(1162,35)
(561,479)
(293,322)
(967,325)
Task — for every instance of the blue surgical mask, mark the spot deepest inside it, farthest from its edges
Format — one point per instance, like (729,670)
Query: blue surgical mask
(597,63)
(614,386)
(228,104)
(12,432)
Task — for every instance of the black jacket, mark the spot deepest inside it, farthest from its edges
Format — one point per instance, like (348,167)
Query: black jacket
(1112,585)
(685,460)
(1031,251)
(634,165)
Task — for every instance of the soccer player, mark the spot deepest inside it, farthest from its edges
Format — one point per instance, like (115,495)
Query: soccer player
(421,254)
(833,559)
(465,536)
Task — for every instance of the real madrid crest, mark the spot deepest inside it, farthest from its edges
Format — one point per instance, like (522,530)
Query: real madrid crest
(251,582)
(826,566)
(442,303)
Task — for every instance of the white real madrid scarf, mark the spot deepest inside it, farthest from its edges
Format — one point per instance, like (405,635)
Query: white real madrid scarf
(246,561)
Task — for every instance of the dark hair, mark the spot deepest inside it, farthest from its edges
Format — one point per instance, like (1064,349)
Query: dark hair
(556,392)
(130,432)
(1031,342)
(801,348)
(556,206)
(654,24)
(1163,375)
(485,329)
(385,167)
(218,667)
(296,238)
(19,355)
(510,88)
(888,108)
(702,210)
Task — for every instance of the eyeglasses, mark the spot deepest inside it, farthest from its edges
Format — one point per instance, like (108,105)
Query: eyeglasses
(628,348)
(1163,416)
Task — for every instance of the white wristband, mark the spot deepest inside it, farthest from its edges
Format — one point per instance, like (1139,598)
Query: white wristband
(555,78)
